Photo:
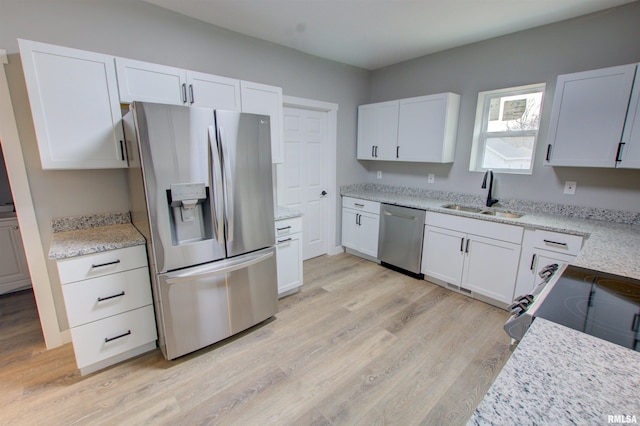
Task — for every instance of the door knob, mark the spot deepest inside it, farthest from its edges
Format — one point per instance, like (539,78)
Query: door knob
(323,193)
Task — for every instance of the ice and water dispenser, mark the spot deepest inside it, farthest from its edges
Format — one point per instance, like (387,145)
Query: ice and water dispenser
(190,212)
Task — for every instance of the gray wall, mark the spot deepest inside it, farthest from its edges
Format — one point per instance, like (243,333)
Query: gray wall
(539,55)
(134,29)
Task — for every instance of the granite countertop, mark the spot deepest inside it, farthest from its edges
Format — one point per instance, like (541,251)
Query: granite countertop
(88,234)
(611,246)
(558,376)
(286,213)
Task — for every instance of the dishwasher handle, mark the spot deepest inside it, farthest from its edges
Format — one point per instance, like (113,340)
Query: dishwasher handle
(402,216)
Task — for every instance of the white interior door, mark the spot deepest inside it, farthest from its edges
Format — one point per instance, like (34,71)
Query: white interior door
(306,175)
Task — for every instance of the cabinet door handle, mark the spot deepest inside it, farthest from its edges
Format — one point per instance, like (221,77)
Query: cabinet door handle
(461,244)
(373,151)
(100,265)
(184,93)
(533,260)
(636,323)
(191,93)
(398,151)
(555,243)
(284,241)
(548,157)
(122,156)
(109,339)
(620,146)
(16,227)
(466,249)
(102,299)
(282,229)
(376,151)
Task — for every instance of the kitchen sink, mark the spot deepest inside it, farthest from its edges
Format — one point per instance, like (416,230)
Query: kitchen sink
(462,208)
(507,215)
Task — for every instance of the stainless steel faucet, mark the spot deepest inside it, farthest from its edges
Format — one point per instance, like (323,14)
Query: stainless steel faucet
(490,200)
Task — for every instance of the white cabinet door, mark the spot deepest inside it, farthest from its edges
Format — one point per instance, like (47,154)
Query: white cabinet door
(266,100)
(427,128)
(360,231)
(213,91)
(443,254)
(630,158)
(368,232)
(75,107)
(588,116)
(148,82)
(491,267)
(378,131)
(14,272)
(289,260)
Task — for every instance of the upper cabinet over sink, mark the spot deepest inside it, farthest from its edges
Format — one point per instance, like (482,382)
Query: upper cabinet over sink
(595,119)
(420,129)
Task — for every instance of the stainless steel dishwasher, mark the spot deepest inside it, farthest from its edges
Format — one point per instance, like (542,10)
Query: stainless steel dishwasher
(400,239)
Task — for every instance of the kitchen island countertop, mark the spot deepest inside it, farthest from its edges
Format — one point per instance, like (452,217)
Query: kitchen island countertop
(559,376)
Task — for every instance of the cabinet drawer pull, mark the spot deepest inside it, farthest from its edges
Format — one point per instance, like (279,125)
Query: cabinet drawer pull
(100,265)
(109,339)
(555,243)
(358,205)
(282,229)
(102,299)
(284,241)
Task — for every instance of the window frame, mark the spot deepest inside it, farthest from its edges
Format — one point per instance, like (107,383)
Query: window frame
(480,133)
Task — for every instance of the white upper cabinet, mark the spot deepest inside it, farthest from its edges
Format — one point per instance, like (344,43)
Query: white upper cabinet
(267,100)
(75,107)
(427,128)
(213,91)
(147,82)
(588,117)
(630,150)
(378,131)
(420,129)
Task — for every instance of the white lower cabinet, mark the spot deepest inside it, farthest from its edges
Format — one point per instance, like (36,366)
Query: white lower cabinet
(360,225)
(472,256)
(289,255)
(14,273)
(539,249)
(109,306)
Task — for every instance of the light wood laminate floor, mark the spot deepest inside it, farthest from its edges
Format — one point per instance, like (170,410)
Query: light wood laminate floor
(358,345)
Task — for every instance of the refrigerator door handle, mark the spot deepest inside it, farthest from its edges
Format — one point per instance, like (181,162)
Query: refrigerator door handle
(218,268)
(216,169)
(228,187)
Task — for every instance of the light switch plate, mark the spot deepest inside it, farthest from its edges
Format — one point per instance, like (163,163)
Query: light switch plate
(431,178)
(570,187)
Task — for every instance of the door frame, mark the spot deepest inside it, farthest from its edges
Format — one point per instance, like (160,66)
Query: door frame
(331,110)
(21,192)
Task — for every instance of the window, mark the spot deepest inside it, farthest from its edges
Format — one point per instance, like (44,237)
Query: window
(506,129)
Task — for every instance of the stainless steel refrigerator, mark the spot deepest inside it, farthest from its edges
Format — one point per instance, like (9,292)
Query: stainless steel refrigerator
(200,186)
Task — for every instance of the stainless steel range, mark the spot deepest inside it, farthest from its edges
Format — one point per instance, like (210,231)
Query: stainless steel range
(600,304)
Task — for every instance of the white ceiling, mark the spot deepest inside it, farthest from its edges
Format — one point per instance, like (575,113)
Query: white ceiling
(375,33)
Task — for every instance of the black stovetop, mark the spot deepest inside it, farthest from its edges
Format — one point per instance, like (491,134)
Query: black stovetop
(602,305)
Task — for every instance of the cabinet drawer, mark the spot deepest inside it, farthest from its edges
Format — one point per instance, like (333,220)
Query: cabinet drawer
(98,264)
(558,242)
(288,226)
(111,336)
(363,205)
(101,297)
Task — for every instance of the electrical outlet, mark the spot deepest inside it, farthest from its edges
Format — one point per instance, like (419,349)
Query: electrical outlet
(379,174)
(431,178)
(570,187)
